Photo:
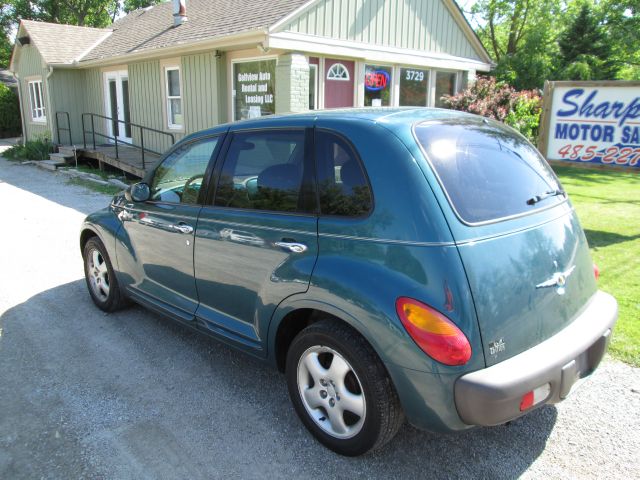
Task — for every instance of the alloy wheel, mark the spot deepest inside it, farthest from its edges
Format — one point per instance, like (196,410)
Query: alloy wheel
(331,392)
(98,275)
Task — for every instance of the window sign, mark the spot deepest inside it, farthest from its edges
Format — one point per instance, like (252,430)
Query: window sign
(377,86)
(445,85)
(414,85)
(254,89)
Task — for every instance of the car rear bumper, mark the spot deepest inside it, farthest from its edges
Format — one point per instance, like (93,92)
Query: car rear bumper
(493,395)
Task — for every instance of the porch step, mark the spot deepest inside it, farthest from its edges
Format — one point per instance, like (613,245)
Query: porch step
(61,157)
(66,151)
(50,164)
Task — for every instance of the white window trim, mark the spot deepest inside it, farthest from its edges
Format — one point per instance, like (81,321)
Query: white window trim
(315,98)
(321,83)
(38,114)
(339,79)
(395,81)
(168,98)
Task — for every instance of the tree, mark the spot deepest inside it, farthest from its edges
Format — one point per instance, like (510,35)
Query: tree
(520,35)
(90,13)
(131,5)
(585,49)
(5,42)
(622,23)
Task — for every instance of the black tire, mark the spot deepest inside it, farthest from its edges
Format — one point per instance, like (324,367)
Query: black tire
(367,382)
(100,277)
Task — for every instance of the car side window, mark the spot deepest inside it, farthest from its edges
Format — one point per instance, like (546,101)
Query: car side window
(265,170)
(179,178)
(342,184)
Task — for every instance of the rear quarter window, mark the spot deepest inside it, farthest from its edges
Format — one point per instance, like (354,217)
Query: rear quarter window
(487,171)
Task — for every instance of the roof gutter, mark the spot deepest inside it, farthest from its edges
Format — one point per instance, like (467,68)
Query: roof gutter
(252,36)
(376,53)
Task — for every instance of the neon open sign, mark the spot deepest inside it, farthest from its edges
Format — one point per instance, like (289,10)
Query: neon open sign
(377,80)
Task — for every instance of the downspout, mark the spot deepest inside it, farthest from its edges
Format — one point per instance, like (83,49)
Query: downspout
(22,122)
(50,117)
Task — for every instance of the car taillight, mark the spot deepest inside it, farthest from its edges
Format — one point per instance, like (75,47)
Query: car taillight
(596,271)
(434,333)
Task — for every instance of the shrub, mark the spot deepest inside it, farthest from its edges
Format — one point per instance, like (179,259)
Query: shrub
(488,98)
(10,125)
(38,149)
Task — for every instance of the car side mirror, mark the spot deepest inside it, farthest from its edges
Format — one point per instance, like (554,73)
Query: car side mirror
(138,192)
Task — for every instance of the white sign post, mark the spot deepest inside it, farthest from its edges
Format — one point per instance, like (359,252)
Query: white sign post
(592,123)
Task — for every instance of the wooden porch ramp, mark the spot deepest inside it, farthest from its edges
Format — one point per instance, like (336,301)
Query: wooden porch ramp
(128,159)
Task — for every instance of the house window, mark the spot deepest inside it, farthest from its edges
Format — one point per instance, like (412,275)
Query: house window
(377,86)
(414,87)
(338,72)
(175,118)
(445,85)
(38,111)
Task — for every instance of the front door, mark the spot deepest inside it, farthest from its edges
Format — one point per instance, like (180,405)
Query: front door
(155,245)
(338,83)
(117,105)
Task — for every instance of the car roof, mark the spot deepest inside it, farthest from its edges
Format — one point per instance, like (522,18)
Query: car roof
(381,114)
(398,117)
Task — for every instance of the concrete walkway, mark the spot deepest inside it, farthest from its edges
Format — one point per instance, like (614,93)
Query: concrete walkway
(8,142)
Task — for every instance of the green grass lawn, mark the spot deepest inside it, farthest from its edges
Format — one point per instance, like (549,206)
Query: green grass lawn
(608,205)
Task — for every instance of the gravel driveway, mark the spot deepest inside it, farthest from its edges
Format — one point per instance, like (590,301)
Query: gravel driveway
(131,395)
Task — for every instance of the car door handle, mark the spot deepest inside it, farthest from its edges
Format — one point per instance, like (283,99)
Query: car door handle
(292,246)
(182,228)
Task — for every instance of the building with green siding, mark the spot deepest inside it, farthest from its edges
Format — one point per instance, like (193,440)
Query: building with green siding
(179,70)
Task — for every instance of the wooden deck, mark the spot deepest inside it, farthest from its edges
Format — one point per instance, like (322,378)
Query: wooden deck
(129,159)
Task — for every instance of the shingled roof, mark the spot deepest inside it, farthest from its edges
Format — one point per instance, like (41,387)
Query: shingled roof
(152,28)
(63,44)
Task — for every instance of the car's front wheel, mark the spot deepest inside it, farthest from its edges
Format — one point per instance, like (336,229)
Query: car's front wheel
(341,390)
(101,280)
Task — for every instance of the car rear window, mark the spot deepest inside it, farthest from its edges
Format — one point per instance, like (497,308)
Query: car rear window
(487,171)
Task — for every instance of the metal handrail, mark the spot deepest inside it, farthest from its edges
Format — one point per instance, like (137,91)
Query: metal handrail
(115,139)
(68,129)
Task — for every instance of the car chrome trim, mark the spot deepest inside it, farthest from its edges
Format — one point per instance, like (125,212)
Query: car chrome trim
(514,231)
(412,243)
(292,246)
(260,227)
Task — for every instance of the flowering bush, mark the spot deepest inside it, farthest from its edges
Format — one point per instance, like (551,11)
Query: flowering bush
(488,98)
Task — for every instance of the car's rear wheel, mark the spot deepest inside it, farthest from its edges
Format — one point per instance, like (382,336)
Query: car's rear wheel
(341,390)
(101,280)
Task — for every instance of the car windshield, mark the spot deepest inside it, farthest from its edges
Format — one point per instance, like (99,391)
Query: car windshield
(487,171)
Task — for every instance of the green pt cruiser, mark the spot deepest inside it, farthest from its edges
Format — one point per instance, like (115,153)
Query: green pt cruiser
(416,264)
